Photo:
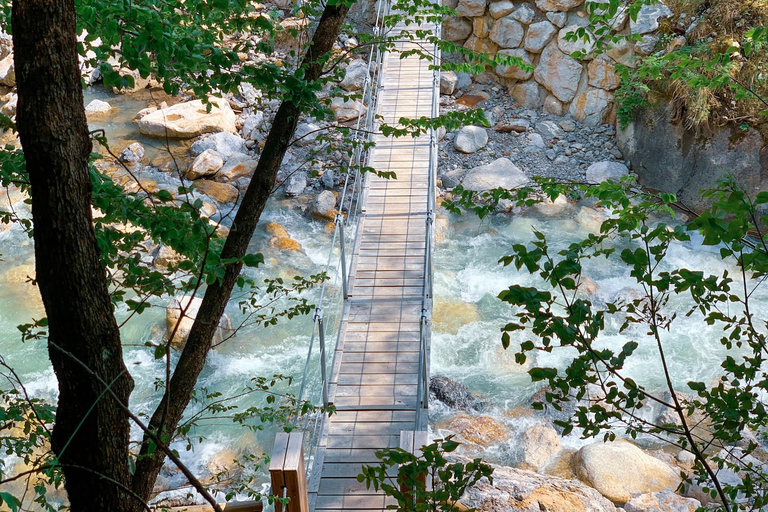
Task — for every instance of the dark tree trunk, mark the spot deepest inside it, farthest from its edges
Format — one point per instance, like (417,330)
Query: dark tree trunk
(73,283)
(170,410)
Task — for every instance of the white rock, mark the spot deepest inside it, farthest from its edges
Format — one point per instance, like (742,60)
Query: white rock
(237,166)
(306,134)
(9,108)
(518,490)
(550,130)
(604,171)
(646,44)
(499,173)
(602,74)
(324,205)
(133,153)
(208,163)
(296,183)
(346,110)
(663,501)
(97,107)
(139,83)
(225,144)
(355,75)
(448,81)
(579,45)
(558,18)
(529,94)
(7,71)
(557,5)
(471,8)
(592,107)
(620,470)
(539,35)
(507,32)
(501,9)
(190,307)
(456,28)
(471,139)
(559,73)
(524,14)
(252,125)
(190,119)
(541,444)
(648,18)
(515,72)
(553,106)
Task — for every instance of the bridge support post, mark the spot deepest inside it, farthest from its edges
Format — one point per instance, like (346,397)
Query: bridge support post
(286,470)
(412,441)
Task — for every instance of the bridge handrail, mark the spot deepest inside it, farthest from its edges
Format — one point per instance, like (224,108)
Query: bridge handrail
(350,202)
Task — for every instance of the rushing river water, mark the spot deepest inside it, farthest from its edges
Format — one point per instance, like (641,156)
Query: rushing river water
(466,337)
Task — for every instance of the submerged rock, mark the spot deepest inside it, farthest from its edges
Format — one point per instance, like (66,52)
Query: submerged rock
(453,393)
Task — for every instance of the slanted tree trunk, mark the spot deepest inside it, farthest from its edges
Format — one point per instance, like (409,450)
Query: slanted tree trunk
(170,410)
(92,444)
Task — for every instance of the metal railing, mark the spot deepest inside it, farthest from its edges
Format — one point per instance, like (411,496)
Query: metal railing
(326,326)
(425,320)
(327,315)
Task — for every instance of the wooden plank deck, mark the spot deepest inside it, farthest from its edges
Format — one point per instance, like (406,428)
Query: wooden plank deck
(375,373)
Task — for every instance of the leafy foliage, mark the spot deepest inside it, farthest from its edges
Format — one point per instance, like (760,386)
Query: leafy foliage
(427,481)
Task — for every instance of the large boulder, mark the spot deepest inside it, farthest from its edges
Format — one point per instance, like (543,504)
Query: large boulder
(222,193)
(518,490)
(471,139)
(593,107)
(453,394)
(500,9)
(190,119)
(663,501)
(507,32)
(541,444)
(207,163)
(567,46)
(482,431)
(648,18)
(602,74)
(346,110)
(559,73)
(529,94)
(670,158)
(471,7)
(182,311)
(7,71)
(499,173)
(539,35)
(557,5)
(604,171)
(620,470)
(456,28)
(355,75)
(324,206)
(513,71)
(237,166)
(225,144)
(97,107)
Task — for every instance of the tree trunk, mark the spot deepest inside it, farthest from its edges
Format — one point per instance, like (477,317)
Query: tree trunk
(170,410)
(91,431)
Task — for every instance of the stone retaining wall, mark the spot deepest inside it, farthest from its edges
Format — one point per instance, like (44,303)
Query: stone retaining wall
(536,33)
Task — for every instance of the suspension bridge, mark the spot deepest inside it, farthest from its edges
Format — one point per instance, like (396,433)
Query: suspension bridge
(376,375)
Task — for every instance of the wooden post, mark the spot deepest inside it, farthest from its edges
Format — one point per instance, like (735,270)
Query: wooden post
(412,442)
(286,469)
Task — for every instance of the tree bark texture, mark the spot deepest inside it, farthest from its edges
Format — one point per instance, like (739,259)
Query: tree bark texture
(91,433)
(170,410)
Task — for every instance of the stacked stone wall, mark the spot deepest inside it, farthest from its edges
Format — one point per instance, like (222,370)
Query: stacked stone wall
(536,32)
